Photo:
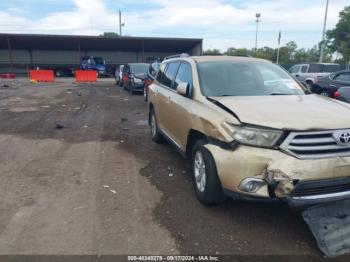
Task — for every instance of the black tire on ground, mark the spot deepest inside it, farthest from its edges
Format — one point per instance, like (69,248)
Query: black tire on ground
(212,193)
(132,92)
(155,133)
(309,83)
(145,95)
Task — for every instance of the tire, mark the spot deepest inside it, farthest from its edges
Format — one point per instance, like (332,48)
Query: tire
(132,92)
(208,188)
(155,133)
(309,83)
(145,94)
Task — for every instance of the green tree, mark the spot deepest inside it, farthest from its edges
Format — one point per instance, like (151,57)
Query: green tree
(212,52)
(238,52)
(109,34)
(338,39)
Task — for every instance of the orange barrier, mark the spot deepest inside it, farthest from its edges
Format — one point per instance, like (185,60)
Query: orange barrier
(85,76)
(41,75)
(8,76)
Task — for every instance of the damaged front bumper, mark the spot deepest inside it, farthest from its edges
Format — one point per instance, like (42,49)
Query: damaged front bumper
(278,176)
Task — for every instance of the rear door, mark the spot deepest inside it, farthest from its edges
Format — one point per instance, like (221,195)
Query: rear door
(178,115)
(164,96)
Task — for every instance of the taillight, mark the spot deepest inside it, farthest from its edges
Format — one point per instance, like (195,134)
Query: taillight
(336,94)
(125,78)
(148,82)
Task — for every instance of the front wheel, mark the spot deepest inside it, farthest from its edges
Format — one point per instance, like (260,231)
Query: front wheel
(206,182)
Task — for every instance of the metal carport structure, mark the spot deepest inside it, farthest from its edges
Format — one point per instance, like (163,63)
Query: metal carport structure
(19,52)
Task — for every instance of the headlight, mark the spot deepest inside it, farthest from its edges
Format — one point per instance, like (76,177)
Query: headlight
(253,136)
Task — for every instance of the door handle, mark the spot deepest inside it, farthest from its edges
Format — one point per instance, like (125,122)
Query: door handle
(296,75)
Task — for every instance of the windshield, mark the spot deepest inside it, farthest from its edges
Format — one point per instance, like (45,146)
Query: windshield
(231,78)
(99,60)
(139,68)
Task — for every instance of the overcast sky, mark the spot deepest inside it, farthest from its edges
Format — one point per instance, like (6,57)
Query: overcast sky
(221,23)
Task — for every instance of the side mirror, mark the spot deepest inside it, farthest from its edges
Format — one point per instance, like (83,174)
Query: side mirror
(183,89)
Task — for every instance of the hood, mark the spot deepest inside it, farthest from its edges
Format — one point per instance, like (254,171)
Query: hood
(290,112)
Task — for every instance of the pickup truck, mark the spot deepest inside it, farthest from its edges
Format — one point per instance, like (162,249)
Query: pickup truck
(309,72)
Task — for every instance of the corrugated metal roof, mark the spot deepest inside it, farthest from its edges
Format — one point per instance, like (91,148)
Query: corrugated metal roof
(98,43)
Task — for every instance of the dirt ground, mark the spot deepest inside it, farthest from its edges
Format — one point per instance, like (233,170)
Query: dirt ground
(80,175)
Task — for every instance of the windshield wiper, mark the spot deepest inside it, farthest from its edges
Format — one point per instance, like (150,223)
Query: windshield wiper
(225,95)
(280,94)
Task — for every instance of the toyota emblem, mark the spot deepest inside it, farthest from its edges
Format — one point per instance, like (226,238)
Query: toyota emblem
(344,139)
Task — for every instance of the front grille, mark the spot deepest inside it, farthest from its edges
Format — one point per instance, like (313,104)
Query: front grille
(312,145)
(321,187)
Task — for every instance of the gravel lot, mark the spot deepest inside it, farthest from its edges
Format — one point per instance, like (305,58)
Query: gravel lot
(80,175)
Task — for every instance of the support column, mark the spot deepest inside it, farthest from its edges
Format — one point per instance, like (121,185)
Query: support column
(10,54)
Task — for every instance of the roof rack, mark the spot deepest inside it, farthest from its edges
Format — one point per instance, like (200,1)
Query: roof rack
(174,56)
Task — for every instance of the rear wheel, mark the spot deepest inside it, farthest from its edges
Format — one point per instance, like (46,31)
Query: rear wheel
(145,94)
(206,182)
(156,135)
(309,83)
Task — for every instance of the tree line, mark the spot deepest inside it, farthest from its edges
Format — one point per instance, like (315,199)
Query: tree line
(337,47)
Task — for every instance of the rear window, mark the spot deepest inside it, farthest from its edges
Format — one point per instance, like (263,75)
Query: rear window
(170,74)
(139,68)
(331,68)
(160,73)
(153,69)
(315,68)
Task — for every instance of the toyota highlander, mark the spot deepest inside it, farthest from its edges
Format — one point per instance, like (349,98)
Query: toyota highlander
(250,131)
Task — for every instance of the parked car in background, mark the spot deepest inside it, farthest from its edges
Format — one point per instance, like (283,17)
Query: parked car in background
(94,63)
(134,75)
(151,75)
(250,132)
(328,85)
(309,72)
(343,94)
(118,74)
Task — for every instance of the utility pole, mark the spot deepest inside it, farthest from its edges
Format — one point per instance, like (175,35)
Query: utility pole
(257,15)
(279,44)
(324,33)
(120,23)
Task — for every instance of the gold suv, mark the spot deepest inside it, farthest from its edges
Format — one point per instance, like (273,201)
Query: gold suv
(251,131)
